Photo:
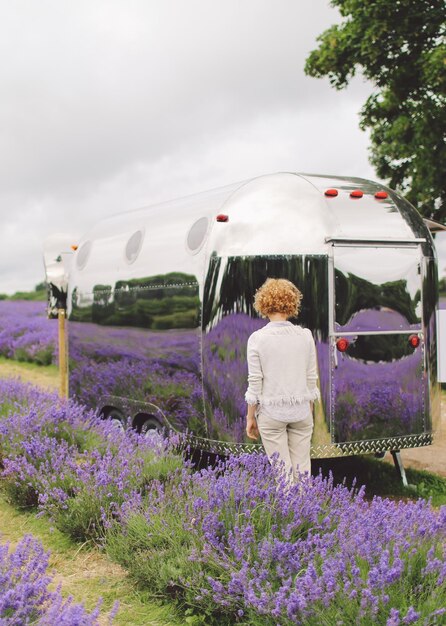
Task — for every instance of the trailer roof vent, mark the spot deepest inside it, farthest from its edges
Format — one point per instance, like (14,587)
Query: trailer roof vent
(197,234)
(83,254)
(133,246)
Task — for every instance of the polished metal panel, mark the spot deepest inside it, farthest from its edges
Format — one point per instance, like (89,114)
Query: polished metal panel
(139,341)
(161,308)
(368,217)
(229,319)
(379,384)
(163,246)
(277,214)
(377,388)
(440,244)
(432,335)
(57,255)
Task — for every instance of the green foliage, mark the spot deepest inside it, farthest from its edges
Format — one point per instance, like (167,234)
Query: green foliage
(158,302)
(34,296)
(44,356)
(157,552)
(82,438)
(401,48)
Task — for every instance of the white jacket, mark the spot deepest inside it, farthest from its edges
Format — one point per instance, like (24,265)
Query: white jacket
(282,368)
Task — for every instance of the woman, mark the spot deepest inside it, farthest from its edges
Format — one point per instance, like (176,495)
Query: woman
(282,377)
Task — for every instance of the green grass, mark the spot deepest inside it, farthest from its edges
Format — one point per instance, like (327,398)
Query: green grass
(85,573)
(51,370)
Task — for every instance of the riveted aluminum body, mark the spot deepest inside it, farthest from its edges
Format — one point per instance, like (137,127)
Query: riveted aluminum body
(160,307)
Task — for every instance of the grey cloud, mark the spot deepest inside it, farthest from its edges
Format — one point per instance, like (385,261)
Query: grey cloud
(109,105)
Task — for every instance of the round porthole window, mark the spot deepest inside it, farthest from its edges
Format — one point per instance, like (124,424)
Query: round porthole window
(83,254)
(197,234)
(133,246)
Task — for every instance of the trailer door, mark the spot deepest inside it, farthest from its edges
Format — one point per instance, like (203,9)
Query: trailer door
(378,386)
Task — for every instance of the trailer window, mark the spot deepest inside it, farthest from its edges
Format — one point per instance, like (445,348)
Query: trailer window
(377,288)
(197,234)
(133,246)
(83,254)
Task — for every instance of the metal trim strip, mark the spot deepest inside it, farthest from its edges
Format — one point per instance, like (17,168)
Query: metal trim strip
(389,242)
(332,450)
(355,333)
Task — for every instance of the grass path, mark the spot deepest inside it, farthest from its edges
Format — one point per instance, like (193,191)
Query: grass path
(45,377)
(85,573)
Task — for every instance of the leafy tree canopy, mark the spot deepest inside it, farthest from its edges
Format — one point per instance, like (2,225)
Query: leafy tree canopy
(400,46)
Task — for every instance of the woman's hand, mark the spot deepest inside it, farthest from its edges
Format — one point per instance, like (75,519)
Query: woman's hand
(251,427)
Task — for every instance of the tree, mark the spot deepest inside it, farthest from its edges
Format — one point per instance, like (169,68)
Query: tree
(400,46)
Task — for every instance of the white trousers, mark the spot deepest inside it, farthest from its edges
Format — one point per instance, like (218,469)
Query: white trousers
(290,440)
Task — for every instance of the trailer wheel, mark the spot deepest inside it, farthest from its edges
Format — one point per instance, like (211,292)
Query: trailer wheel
(116,417)
(150,427)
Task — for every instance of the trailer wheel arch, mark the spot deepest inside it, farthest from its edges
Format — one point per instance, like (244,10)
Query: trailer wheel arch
(144,422)
(114,414)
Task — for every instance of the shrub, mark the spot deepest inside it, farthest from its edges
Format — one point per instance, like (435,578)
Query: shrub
(236,545)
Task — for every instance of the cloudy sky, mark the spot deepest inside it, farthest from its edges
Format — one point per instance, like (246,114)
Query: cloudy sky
(109,105)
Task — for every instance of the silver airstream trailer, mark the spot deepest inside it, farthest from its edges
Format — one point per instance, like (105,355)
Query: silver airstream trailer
(160,307)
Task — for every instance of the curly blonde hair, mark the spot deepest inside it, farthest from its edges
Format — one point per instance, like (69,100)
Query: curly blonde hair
(277,295)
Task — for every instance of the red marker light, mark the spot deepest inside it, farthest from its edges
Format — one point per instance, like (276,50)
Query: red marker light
(222,218)
(331,193)
(381,195)
(357,193)
(414,341)
(342,344)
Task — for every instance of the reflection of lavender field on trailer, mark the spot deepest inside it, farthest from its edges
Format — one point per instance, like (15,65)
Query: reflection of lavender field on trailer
(160,307)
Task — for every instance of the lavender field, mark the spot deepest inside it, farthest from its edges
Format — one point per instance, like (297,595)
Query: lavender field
(372,400)
(233,544)
(26,334)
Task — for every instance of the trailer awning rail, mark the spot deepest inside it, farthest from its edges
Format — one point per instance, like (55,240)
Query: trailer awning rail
(373,242)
